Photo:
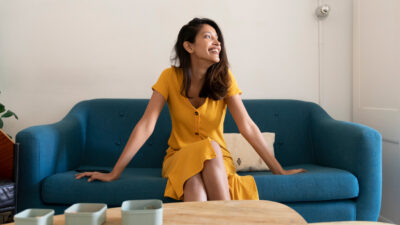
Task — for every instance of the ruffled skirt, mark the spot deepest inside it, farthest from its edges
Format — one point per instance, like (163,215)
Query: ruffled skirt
(180,165)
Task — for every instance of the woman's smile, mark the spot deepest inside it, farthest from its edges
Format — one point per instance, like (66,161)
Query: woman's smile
(214,50)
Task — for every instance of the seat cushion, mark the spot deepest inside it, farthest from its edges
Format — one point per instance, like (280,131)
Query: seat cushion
(134,183)
(318,184)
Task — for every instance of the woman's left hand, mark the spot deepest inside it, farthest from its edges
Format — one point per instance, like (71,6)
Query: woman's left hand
(294,171)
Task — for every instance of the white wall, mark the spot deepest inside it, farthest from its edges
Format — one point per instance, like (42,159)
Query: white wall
(56,53)
(376,88)
(336,59)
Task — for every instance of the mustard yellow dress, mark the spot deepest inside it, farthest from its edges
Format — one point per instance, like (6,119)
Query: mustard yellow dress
(193,129)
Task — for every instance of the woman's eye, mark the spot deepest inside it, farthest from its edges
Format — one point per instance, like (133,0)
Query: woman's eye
(208,36)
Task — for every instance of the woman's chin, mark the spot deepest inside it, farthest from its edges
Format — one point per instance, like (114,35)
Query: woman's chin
(213,61)
(216,60)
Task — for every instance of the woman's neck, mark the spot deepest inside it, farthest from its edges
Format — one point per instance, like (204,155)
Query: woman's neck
(199,70)
(198,74)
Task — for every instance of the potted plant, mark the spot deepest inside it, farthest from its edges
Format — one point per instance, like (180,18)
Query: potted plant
(5,114)
(6,145)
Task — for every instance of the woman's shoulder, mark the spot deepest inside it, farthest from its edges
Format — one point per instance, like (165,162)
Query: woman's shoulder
(171,71)
(170,75)
(230,74)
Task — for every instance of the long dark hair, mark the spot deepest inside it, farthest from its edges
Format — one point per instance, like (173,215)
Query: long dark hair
(217,80)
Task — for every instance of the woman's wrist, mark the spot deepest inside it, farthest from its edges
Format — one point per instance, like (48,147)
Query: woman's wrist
(114,175)
(279,171)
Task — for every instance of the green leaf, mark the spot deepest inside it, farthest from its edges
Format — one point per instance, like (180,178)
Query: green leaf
(2,108)
(8,114)
(1,123)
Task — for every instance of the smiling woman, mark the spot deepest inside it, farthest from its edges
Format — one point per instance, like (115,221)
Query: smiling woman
(200,45)
(198,88)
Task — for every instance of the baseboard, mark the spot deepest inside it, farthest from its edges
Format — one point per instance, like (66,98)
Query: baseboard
(383,219)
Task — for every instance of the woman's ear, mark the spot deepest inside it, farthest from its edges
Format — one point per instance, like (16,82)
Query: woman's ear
(188,46)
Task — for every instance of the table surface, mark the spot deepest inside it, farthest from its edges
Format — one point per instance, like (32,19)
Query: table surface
(225,212)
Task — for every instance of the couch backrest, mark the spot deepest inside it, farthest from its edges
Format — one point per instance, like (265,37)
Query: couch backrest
(290,120)
(109,125)
(110,121)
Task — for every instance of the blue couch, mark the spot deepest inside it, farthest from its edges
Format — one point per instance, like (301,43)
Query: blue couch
(343,159)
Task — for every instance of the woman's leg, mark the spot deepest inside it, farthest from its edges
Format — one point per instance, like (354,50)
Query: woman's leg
(194,190)
(214,176)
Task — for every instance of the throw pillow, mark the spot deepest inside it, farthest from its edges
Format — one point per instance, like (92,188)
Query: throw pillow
(243,154)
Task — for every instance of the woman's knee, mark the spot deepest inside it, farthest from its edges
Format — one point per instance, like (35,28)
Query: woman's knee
(194,190)
(216,164)
(217,149)
(194,183)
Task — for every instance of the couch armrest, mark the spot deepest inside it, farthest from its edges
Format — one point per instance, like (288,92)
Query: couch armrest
(46,150)
(357,149)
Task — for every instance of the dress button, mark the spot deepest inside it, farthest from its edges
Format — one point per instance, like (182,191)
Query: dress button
(196,113)
(196,133)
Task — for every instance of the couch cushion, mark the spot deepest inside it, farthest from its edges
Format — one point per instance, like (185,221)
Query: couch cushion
(134,183)
(319,183)
(243,155)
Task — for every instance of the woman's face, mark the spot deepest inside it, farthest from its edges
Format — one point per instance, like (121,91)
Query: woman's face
(206,46)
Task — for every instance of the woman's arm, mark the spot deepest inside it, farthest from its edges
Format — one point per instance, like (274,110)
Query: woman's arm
(142,131)
(252,134)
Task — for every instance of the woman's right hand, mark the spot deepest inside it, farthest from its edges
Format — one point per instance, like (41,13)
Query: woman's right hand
(105,177)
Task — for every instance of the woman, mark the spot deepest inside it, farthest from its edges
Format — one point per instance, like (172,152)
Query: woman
(198,90)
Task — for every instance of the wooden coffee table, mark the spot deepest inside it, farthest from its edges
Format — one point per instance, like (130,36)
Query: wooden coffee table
(225,212)
(231,212)
(352,223)
(217,213)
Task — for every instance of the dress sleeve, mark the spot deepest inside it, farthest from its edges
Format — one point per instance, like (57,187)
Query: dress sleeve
(233,88)
(161,86)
